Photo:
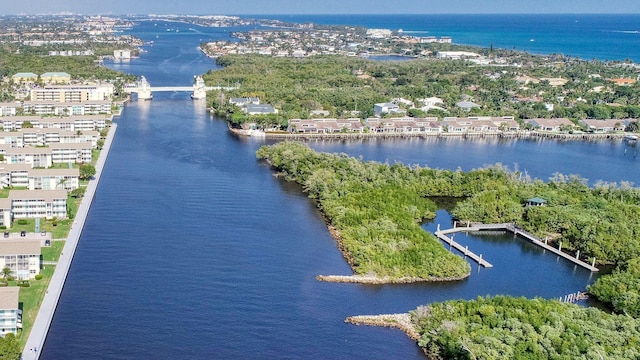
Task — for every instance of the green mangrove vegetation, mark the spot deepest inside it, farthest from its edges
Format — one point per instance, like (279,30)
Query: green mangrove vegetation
(517,328)
(377,209)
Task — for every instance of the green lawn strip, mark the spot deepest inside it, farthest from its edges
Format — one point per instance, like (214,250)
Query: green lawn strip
(31,299)
(52,253)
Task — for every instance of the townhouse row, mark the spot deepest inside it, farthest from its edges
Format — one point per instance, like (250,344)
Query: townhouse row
(404,125)
(478,124)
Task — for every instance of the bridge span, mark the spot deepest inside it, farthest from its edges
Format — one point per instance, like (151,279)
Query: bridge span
(198,89)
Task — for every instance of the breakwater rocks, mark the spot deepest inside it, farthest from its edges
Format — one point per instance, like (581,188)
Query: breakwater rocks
(379,280)
(398,321)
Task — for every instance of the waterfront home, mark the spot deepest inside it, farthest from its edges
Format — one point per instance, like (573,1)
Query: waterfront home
(14,175)
(478,125)
(456,55)
(603,126)
(52,179)
(551,125)
(324,126)
(385,108)
(402,125)
(262,109)
(71,153)
(31,204)
(21,254)
(9,301)
(34,156)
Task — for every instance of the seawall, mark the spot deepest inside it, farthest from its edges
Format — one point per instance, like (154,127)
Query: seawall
(38,334)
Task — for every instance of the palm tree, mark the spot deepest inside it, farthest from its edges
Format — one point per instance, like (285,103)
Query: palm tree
(6,273)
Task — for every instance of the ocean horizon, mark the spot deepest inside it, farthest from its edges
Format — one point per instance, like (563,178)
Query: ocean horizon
(610,37)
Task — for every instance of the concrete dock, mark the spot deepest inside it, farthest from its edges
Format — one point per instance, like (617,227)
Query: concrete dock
(442,235)
(38,333)
(518,232)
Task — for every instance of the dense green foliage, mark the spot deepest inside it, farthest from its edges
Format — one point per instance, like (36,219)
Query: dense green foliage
(79,67)
(621,289)
(9,347)
(374,208)
(344,84)
(377,207)
(518,328)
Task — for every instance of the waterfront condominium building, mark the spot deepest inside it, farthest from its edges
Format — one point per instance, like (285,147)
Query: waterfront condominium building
(9,310)
(31,204)
(21,255)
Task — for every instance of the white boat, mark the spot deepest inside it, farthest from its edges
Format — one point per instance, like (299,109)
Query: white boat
(630,137)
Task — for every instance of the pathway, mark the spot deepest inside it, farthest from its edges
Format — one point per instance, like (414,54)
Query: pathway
(40,328)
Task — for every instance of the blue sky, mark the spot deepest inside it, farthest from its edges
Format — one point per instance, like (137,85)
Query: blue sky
(317,6)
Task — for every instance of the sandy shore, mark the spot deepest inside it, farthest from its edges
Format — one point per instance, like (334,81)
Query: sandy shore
(398,321)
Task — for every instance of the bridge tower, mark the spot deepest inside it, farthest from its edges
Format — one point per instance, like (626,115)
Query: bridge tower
(144,89)
(199,91)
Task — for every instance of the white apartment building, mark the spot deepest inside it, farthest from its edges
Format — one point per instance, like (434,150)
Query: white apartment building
(53,179)
(71,153)
(34,156)
(31,204)
(21,255)
(14,175)
(9,310)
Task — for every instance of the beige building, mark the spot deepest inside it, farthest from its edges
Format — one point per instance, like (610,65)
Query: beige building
(53,179)
(34,156)
(71,153)
(21,254)
(31,204)
(9,300)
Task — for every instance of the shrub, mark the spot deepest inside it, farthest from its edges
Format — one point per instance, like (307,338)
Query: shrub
(23,222)
(39,277)
(23,283)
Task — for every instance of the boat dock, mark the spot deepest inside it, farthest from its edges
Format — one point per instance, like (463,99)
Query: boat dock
(517,232)
(442,235)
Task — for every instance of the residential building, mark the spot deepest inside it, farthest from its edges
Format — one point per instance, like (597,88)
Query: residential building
(325,126)
(5,213)
(55,78)
(14,175)
(9,109)
(467,105)
(53,179)
(244,101)
(9,301)
(69,123)
(34,156)
(31,204)
(552,125)
(21,254)
(262,109)
(24,78)
(385,108)
(71,153)
(603,126)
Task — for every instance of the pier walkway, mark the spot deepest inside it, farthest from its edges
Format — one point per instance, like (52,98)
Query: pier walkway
(518,232)
(41,325)
(442,235)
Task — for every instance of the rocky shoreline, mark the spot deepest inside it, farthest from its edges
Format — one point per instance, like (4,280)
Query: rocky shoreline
(397,321)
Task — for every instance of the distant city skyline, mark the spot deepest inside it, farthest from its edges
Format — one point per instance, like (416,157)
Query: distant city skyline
(284,7)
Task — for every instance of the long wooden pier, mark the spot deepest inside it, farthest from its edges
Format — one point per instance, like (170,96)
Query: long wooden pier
(520,232)
(442,235)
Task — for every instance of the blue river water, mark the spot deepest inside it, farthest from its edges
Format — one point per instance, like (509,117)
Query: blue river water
(194,250)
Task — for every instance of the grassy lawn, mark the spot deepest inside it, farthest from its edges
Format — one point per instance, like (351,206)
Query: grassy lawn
(31,298)
(52,253)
